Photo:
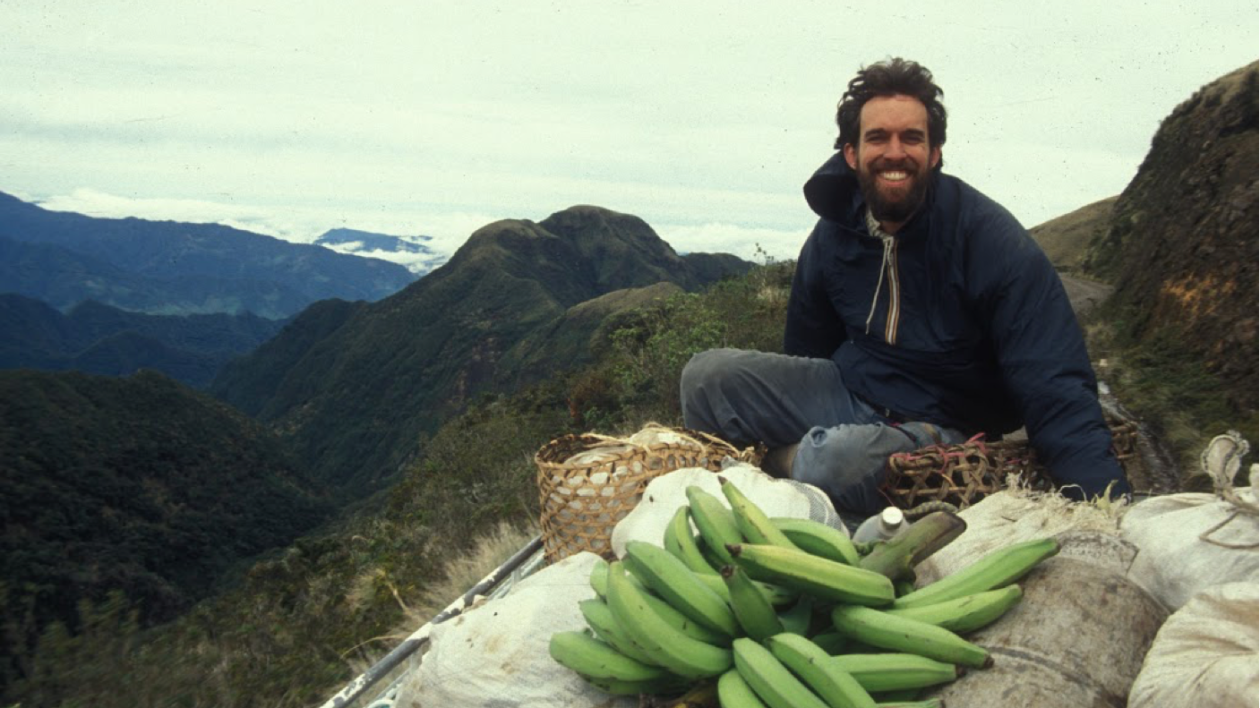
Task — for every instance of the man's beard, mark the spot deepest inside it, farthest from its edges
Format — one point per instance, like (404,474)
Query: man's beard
(897,210)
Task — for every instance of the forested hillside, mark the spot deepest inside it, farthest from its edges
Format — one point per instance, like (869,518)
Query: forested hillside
(134,485)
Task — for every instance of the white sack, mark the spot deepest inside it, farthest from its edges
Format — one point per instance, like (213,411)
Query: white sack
(1205,655)
(1008,517)
(496,654)
(776,497)
(1191,541)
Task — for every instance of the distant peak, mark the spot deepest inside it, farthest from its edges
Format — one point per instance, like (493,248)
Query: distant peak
(590,210)
(586,215)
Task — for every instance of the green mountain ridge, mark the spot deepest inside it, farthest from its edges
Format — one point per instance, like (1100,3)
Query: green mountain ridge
(355,397)
(99,339)
(572,337)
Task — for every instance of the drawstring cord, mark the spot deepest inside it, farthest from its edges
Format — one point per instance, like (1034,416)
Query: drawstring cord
(873,226)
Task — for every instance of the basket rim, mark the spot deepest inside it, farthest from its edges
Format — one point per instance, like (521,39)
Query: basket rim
(588,441)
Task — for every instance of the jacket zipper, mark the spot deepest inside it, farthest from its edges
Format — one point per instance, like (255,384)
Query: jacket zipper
(894,298)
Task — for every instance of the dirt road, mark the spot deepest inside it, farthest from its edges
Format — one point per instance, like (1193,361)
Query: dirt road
(1084,294)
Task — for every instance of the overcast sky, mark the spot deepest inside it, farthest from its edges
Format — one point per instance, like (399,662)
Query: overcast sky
(438,117)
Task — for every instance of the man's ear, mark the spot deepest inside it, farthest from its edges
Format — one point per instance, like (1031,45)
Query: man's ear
(850,156)
(935,159)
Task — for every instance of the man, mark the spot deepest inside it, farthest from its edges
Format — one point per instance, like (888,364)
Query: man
(921,312)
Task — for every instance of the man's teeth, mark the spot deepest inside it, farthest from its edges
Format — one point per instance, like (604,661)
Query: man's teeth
(895,176)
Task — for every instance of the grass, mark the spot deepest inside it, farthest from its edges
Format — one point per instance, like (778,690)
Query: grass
(465,570)
(459,573)
(1164,384)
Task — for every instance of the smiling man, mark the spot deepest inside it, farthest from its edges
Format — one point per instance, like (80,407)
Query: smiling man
(921,313)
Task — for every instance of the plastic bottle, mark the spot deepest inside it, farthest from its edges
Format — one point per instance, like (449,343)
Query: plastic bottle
(882,526)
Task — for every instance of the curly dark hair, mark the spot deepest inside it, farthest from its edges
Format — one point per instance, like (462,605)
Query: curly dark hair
(895,76)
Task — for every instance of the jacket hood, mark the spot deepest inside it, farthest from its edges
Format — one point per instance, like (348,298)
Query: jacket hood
(833,191)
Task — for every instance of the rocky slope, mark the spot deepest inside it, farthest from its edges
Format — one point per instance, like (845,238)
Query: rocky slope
(1181,242)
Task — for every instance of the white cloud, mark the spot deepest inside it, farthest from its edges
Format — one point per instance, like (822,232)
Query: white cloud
(703,118)
(93,202)
(415,262)
(752,244)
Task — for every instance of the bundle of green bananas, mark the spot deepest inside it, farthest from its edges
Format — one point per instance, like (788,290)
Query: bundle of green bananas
(787,613)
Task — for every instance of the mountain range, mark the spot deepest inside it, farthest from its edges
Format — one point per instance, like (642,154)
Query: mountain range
(139,484)
(166,267)
(353,386)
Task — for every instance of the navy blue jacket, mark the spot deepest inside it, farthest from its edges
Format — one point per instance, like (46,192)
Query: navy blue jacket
(971,327)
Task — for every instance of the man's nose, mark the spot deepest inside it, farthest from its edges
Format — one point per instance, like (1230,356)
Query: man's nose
(895,149)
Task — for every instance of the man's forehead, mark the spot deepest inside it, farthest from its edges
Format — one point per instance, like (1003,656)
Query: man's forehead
(896,112)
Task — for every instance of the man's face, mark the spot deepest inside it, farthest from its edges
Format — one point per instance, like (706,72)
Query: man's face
(892,157)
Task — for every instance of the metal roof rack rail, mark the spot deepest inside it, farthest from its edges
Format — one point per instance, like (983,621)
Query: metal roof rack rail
(497,583)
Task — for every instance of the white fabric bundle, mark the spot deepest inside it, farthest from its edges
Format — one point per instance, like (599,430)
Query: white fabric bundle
(776,497)
(1192,541)
(1206,654)
(496,654)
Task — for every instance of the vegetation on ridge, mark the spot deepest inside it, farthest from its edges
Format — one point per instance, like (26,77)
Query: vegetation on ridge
(302,622)
(352,388)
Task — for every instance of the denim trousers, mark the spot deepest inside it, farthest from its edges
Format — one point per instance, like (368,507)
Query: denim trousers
(748,397)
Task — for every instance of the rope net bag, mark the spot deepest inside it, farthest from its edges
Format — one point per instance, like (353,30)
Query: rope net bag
(589,482)
(963,474)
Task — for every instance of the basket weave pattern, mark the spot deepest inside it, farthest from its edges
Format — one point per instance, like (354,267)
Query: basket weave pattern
(587,483)
(964,474)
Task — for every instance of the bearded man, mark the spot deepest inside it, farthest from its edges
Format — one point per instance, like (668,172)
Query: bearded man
(921,313)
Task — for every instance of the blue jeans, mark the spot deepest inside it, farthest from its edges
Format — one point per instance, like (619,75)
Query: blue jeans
(779,400)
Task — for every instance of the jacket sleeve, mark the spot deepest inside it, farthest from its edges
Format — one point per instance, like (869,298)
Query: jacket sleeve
(1042,356)
(813,328)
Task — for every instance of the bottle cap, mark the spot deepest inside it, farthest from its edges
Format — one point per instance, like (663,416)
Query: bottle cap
(892,516)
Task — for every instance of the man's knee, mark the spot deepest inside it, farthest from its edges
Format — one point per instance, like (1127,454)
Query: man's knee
(705,367)
(703,374)
(698,376)
(848,462)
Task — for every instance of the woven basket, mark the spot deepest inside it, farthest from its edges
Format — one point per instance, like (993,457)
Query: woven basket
(587,483)
(964,474)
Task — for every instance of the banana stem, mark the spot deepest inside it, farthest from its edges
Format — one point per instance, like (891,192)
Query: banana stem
(896,558)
